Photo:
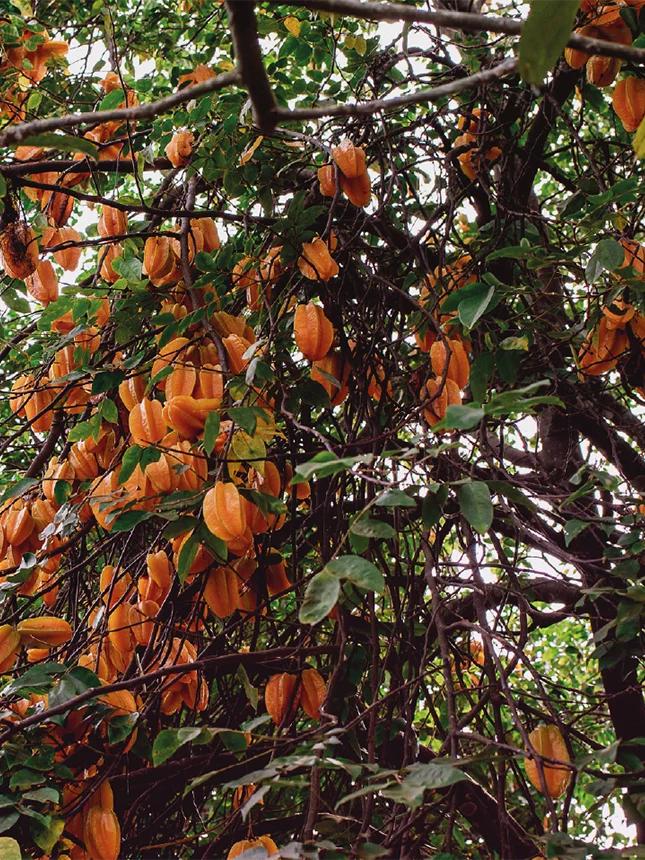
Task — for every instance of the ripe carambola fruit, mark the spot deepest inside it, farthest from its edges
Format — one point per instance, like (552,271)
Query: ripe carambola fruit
(458,364)
(146,422)
(9,647)
(44,630)
(629,102)
(221,591)
(180,148)
(349,158)
(313,332)
(316,261)
(224,512)
(247,844)
(547,741)
(282,696)
(439,398)
(313,695)
(19,250)
(102,834)
(358,190)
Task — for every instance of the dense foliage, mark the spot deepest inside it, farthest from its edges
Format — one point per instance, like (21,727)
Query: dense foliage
(322,465)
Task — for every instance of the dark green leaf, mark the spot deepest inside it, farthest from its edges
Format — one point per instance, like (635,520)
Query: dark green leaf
(395,499)
(321,595)
(476,506)
(372,528)
(63,143)
(112,100)
(358,570)
(544,37)
(128,520)
(211,431)
(472,308)
(325,464)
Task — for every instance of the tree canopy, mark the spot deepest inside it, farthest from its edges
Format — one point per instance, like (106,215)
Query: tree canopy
(322,462)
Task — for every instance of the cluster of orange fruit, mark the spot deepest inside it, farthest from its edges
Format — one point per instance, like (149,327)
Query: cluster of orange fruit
(352,174)
(25,64)
(605,23)
(611,337)
(165,408)
(473,159)
(447,349)
(284,692)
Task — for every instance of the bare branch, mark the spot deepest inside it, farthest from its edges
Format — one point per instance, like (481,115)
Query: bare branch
(506,67)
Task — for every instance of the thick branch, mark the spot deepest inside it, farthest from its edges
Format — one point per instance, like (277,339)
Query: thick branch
(244,29)
(466,21)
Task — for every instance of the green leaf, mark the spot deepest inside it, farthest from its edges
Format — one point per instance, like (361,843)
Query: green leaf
(18,489)
(15,302)
(180,526)
(169,741)
(544,37)
(321,596)
(476,506)
(372,528)
(358,570)
(47,836)
(129,268)
(9,848)
(421,778)
(109,412)
(460,418)
(42,795)
(395,499)
(211,431)
(112,100)
(187,557)
(325,464)
(471,309)
(121,727)
(127,521)
(572,529)
(249,689)
(107,381)
(608,255)
(63,143)
(37,679)
(130,462)
(370,849)
(25,778)
(62,491)
(83,430)
(245,417)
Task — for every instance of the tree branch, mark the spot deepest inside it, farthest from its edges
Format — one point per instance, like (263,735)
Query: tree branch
(18,132)
(241,19)
(468,22)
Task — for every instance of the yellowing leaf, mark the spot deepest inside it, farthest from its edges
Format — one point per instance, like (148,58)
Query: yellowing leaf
(360,46)
(24,7)
(349,43)
(250,449)
(247,155)
(265,429)
(226,66)
(293,26)
(639,140)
